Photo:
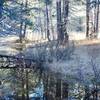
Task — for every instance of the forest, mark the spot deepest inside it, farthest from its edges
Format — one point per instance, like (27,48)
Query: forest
(49,50)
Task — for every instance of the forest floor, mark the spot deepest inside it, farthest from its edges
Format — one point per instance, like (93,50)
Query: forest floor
(9,44)
(85,51)
(87,42)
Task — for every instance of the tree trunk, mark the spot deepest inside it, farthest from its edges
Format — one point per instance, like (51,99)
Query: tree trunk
(21,25)
(23,83)
(52,27)
(45,83)
(27,85)
(97,18)
(25,27)
(95,15)
(59,22)
(65,12)
(40,20)
(87,17)
(59,89)
(65,91)
(25,23)
(47,19)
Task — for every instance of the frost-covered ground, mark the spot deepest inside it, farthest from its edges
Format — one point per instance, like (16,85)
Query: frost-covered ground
(84,59)
(83,63)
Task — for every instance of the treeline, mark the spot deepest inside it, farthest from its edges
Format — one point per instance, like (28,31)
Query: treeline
(46,13)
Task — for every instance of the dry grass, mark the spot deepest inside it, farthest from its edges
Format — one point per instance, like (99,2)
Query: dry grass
(87,42)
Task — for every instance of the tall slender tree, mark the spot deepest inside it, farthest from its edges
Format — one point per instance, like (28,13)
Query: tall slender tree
(87,17)
(21,24)
(25,23)
(65,12)
(47,2)
(97,17)
(59,22)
